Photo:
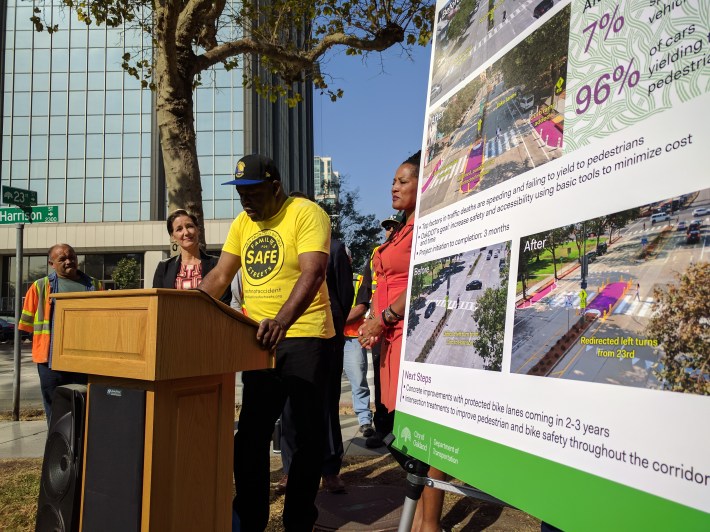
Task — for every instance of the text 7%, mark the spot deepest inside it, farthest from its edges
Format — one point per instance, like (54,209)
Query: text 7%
(613,22)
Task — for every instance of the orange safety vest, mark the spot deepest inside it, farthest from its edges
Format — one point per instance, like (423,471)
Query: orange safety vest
(37,315)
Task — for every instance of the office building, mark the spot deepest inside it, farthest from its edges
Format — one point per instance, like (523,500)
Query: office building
(326,180)
(82,133)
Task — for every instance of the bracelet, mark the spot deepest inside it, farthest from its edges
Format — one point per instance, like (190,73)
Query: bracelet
(384,320)
(398,316)
(388,319)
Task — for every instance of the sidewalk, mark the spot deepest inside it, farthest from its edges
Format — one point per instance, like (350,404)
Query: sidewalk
(25,439)
(344,512)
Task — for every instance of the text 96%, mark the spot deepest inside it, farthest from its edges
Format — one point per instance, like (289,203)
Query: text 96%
(601,91)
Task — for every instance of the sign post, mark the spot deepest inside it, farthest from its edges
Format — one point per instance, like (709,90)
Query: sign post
(26,211)
(18,334)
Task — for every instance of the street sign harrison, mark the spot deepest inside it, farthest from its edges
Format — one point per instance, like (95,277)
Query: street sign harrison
(19,196)
(33,215)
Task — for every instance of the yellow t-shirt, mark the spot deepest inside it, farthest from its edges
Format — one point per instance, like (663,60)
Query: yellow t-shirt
(269,253)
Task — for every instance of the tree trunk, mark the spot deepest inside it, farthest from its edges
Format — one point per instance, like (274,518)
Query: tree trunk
(174,77)
(177,141)
(554,262)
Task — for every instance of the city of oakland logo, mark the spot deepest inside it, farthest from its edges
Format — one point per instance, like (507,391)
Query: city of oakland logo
(263,256)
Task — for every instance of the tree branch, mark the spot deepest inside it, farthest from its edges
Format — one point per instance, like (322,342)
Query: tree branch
(384,38)
(195,22)
(166,17)
(301,59)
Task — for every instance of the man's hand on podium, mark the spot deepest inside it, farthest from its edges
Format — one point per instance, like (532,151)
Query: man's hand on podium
(270,333)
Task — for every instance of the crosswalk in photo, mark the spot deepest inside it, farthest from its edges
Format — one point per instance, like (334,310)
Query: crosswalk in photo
(501,143)
(631,306)
(463,305)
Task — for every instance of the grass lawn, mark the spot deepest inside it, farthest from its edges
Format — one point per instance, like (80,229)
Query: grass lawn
(565,253)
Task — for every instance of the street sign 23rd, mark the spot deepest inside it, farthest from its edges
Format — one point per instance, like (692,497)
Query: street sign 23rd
(19,196)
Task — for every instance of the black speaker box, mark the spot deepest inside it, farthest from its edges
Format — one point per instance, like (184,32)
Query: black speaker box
(60,485)
(113,483)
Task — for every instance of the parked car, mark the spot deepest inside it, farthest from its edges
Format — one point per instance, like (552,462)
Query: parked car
(694,225)
(682,226)
(7,332)
(429,309)
(591,256)
(660,217)
(474,285)
(602,248)
(692,237)
(526,102)
(701,211)
(542,8)
(419,303)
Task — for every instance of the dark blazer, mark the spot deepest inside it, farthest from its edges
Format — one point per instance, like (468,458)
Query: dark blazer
(167,271)
(339,279)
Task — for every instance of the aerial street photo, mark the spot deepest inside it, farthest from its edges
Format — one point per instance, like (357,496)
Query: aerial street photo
(507,120)
(468,32)
(457,309)
(620,299)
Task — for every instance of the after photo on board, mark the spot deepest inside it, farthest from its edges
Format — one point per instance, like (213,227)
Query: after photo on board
(597,299)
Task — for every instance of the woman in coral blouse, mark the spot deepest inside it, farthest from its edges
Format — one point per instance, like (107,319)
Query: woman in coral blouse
(391,264)
(186,269)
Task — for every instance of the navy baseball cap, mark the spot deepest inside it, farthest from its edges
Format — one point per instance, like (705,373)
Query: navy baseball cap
(254,170)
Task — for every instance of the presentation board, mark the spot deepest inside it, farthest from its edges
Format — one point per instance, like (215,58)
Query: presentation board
(557,346)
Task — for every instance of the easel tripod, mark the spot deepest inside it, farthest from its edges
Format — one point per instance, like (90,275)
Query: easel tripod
(416,481)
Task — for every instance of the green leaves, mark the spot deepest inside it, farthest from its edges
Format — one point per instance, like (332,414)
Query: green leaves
(126,274)
(490,320)
(681,326)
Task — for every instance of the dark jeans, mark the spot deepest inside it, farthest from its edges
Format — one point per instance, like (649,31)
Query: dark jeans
(383,421)
(49,379)
(332,435)
(299,376)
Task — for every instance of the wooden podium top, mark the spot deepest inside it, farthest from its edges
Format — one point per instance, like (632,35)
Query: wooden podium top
(153,334)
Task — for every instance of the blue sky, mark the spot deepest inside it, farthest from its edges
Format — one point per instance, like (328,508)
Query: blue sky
(377,124)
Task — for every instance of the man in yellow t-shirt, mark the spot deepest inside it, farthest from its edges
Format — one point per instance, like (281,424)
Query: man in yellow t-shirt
(282,246)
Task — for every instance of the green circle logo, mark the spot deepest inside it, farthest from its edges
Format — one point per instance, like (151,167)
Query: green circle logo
(263,257)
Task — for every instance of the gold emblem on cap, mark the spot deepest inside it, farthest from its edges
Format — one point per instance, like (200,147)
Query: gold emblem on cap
(240,170)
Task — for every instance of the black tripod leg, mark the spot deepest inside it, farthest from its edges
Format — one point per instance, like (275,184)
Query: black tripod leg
(416,480)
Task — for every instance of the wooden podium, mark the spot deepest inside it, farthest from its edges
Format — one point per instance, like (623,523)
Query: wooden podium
(183,349)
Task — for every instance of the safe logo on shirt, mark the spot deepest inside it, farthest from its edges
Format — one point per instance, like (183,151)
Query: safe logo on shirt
(263,256)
